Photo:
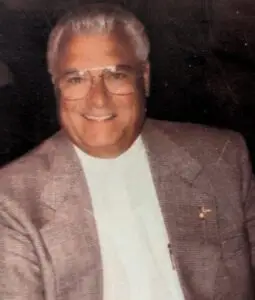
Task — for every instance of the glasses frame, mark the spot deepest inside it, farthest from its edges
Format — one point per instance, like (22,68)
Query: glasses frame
(138,72)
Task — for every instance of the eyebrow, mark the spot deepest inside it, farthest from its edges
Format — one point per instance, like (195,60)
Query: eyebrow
(117,67)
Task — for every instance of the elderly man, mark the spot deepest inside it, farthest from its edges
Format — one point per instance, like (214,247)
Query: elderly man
(115,207)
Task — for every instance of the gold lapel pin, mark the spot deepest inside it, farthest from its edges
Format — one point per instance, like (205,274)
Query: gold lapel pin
(203,212)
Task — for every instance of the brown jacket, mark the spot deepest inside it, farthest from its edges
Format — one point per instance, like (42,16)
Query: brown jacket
(49,247)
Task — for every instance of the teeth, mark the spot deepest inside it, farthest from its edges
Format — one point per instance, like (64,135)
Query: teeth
(103,118)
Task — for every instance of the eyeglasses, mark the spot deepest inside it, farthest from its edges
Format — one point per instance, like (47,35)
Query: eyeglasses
(118,80)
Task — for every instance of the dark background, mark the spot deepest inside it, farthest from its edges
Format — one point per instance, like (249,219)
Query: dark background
(203,66)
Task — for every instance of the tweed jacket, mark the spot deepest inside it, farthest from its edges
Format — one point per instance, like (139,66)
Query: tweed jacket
(49,248)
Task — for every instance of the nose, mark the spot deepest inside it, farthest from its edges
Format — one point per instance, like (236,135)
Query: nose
(98,96)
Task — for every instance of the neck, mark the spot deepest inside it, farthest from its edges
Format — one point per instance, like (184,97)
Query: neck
(106,152)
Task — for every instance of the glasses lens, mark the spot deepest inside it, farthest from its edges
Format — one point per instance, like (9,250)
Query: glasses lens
(77,85)
(74,86)
(120,82)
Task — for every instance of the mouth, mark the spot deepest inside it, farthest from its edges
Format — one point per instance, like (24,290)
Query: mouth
(99,118)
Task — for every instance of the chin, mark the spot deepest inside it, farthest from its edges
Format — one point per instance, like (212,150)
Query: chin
(104,147)
(100,142)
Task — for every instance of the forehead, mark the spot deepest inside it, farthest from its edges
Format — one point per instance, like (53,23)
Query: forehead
(96,50)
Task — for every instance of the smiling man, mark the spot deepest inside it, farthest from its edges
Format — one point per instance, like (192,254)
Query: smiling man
(101,84)
(115,206)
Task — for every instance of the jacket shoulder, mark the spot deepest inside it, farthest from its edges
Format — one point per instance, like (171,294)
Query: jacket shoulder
(32,160)
(23,180)
(205,143)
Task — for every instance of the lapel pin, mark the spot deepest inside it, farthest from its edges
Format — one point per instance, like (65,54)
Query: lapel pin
(203,212)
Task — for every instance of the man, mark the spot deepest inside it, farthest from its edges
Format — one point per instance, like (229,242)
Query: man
(116,207)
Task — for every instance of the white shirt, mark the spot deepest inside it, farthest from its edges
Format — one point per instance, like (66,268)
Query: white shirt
(132,235)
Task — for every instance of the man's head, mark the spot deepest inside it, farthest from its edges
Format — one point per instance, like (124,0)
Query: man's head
(98,60)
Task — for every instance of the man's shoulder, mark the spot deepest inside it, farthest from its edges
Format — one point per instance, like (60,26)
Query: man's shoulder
(38,156)
(203,142)
(195,134)
(34,169)
(24,180)
(185,129)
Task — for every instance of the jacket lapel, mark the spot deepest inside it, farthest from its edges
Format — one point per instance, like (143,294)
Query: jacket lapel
(184,193)
(71,237)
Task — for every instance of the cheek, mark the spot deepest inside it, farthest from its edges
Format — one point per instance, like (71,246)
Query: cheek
(69,117)
(130,108)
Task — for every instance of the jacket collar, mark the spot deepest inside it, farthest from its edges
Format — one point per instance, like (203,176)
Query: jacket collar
(160,146)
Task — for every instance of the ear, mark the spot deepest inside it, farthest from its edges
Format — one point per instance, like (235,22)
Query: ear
(146,78)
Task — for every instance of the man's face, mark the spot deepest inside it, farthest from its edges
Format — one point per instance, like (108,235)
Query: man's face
(102,123)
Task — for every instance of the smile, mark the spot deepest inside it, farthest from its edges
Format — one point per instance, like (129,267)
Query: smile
(99,118)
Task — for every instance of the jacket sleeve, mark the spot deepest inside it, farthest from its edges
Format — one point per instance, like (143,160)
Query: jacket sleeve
(248,189)
(20,275)
(250,224)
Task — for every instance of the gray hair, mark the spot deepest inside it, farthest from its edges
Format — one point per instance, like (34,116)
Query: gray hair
(97,18)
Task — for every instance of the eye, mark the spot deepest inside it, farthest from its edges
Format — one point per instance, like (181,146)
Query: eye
(117,75)
(74,80)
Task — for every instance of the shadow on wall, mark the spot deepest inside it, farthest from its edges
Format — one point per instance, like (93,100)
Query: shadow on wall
(22,47)
(12,130)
